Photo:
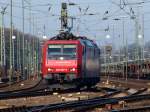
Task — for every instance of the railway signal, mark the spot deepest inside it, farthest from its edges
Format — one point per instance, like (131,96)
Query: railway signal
(64,16)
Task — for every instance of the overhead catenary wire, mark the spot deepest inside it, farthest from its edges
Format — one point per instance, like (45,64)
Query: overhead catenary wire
(26,7)
(47,4)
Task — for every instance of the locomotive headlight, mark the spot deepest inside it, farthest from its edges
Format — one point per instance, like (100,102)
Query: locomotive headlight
(50,69)
(61,58)
(72,69)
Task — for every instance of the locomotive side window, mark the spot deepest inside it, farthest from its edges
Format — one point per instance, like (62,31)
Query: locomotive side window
(89,43)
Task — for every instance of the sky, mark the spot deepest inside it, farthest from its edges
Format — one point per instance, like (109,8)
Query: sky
(47,13)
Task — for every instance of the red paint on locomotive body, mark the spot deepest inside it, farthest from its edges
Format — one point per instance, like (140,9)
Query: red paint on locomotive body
(51,66)
(61,66)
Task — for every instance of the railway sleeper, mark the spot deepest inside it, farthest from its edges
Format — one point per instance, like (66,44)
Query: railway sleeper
(15,109)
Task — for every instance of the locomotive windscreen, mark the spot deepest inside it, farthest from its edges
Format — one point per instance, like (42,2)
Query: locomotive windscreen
(58,51)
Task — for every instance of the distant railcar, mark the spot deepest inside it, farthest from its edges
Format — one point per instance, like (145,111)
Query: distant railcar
(72,60)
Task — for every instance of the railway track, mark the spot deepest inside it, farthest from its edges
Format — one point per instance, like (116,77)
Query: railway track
(138,109)
(26,92)
(91,103)
(83,105)
(41,90)
(38,91)
(110,92)
(36,86)
(2,85)
(135,83)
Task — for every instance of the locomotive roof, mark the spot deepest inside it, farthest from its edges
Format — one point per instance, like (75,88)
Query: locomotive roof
(68,36)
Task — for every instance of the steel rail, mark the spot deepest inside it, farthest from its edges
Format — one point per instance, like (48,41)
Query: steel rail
(140,91)
(90,103)
(20,90)
(2,85)
(138,109)
(82,104)
(33,92)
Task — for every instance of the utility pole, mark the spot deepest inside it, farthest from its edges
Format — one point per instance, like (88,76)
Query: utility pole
(29,60)
(37,57)
(126,57)
(123,47)
(32,43)
(125,51)
(33,23)
(23,39)
(1,41)
(18,52)
(26,59)
(10,43)
(13,51)
(113,49)
(1,45)
(137,57)
(143,43)
(3,51)
(28,64)
(30,17)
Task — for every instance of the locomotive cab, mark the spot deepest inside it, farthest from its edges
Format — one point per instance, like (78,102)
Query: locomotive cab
(61,61)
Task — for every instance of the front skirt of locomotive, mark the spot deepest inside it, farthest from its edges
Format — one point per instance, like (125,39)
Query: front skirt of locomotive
(61,78)
(61,71)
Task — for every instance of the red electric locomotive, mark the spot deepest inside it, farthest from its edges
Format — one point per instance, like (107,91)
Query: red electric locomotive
(72,60)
